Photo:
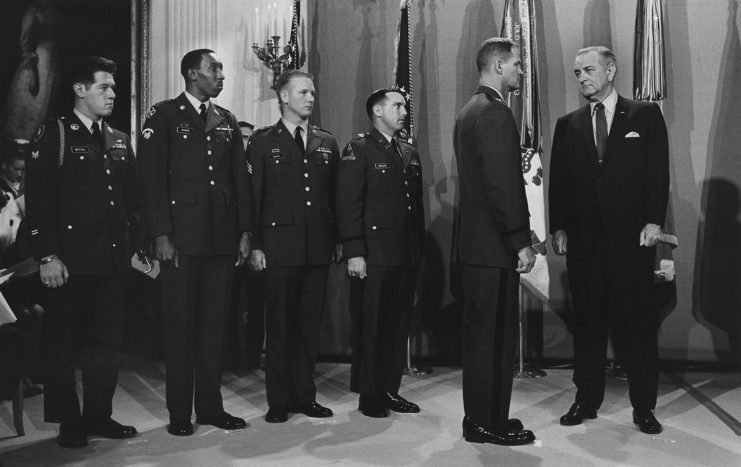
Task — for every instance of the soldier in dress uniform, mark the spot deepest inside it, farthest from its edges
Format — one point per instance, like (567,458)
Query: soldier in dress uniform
(293,166)
(381,225)
(193,175)
(80,200)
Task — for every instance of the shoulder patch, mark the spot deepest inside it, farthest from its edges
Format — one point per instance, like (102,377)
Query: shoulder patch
(39,132)
(348,154)
(147,133)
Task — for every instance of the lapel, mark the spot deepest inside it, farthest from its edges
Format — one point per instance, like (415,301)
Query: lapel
(313,140)
(214,117)
(587,132)
(284,140)
(384,145)
(617,130)
(108,136)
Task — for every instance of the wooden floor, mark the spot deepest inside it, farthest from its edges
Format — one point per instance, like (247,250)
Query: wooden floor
(701,414)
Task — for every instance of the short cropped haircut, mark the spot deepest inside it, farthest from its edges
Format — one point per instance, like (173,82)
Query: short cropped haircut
(84,69)
(494,47)
(286,76)
(607,56)
(378,96)
(192,60)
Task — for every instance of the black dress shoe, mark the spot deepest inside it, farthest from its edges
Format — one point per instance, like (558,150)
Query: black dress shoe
(72,435)
(314,410)
(276,414)
(373,406)
(646,421)
(576,414)
(398,404)
(474,433)
(180,427)
(109,428)
(512,423)
(223,421)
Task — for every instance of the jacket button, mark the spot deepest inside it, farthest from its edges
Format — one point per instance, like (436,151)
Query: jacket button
(306,175)
(210,167)
(409,208)
(185,136)
(308,203)
(112,203)
(208,152)
(108,171)
(114,245)
(69,227)
(273,224)
(306,161)
(307,188)
(110,188)
(374,227)
(213,183)
(208,138)
(173,201)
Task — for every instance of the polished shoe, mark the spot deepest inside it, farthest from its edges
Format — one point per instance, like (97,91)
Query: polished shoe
(373,406)
(72,434)
(223,421)
(314,410)
(398,404)
(474,433)
(576,414)
(512,423)
(180,427)
(276,414)
(646,421)
(109,428)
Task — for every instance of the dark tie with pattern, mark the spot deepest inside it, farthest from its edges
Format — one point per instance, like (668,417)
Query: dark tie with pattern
(600,130)
(299,139)
(97,134)
(202,112)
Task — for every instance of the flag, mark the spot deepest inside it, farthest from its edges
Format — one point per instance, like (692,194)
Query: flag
(649,84)
(296,58)
(518,25)
(403,68)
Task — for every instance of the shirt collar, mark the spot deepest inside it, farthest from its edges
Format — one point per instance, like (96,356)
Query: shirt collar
(291,127)
(609,102)
(495,90)
(195,102)
(388,138)
(87,121)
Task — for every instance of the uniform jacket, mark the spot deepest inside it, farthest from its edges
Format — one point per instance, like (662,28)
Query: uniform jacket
(379,202)
(492,222)
(193,177)
(631,188)
(292,196)
(81,210)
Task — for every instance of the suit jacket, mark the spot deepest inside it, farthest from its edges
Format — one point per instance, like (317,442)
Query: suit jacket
(79,206)
(492,222)
(193,177)
(379,202)
(629,190)
(291,196)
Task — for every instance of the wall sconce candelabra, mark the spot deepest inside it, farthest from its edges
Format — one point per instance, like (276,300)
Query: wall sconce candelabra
(272,58)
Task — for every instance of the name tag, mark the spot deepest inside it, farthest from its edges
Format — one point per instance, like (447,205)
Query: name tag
(80,149)
(382,165)
(184,128)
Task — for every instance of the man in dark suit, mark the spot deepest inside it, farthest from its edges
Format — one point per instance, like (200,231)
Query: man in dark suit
(609,186)
(381,223)
(80,199)
(193,176)
(491,245)
(293,169)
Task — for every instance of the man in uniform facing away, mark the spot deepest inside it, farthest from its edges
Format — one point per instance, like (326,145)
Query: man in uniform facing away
(193,173)
(381,223)
(80,199)
(609,189)
(293,167)
(491,245)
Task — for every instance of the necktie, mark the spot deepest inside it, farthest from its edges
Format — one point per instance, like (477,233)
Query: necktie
(299,140)
(600,127)
(97,134)
(202,112)
(395,145)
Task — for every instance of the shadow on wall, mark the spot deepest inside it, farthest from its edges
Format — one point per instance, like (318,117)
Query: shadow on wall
(315,60)
(718,260)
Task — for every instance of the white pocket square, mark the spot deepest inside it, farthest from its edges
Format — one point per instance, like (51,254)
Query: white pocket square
(632,134)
